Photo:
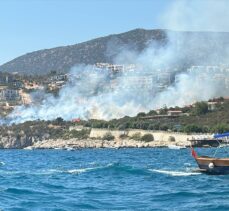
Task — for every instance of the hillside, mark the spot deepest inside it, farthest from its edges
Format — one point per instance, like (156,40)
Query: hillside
(99,133)
(196,118)
(191,48)
(61,59)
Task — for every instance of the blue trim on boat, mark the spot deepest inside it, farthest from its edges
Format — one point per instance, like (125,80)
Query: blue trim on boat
(221,135)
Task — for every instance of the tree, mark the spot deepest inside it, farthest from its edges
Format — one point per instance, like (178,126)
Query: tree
(192,128)
(201,108)
(59,120)
(152,112)
(220,128)
(164,110)
(141,114)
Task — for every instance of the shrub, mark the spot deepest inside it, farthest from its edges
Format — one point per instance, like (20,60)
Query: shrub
(108,136)
(156,126)
(97,124)
(171,139)
(164,127)
(81,134)
(151,127)
(56,133)
(147,137)
(136,136)
(123,136)
(145,125)
(111,126)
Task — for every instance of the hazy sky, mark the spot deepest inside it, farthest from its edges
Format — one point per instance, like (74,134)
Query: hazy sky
(29,25)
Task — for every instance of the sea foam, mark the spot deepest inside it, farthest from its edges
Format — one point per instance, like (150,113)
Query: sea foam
(175,173)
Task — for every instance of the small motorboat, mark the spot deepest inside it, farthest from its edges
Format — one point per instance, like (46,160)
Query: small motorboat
(212,165)
(176,147)
(69,149)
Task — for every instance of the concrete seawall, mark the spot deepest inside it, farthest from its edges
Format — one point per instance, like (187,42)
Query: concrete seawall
(95,140)
(160,136)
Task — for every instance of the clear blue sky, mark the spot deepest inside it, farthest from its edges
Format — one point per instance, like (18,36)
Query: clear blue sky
(29,25)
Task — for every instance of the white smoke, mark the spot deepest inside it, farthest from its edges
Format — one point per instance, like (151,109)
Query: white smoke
(102,96)
(90,96)
(196,15)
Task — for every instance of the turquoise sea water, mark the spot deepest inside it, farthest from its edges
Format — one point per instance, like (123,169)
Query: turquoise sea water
(108,179)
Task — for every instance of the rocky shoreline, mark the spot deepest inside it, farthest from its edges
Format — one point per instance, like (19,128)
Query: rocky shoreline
(96,139)
(96,143)
(161,139)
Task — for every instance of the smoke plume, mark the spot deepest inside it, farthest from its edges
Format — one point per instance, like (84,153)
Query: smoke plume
(98,94)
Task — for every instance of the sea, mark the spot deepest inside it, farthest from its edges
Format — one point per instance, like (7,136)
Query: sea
(109,179)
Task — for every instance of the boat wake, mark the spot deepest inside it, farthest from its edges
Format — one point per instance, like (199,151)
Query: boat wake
(110,167)
(175,173)
(63,171)
(81,170)
(47,171)
(114,167)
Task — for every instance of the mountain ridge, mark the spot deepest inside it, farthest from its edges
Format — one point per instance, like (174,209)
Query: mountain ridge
(63,58)
(106,48)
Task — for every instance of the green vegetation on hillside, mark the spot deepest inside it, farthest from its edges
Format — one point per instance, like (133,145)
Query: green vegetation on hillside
(197,119)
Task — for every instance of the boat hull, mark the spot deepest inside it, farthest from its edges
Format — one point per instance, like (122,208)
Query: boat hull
(213,165)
